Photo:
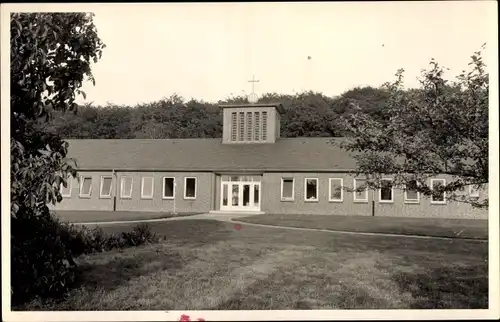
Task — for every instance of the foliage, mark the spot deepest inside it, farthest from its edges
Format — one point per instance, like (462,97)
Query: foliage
(51,54)
(440,128)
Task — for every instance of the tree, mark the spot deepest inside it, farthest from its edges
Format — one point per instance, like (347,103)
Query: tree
(440,128)
(51,55)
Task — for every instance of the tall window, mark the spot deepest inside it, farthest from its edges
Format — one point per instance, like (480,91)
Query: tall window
(311,189)
(85,186)
(336,192)
(168,188)
(287,189)
(264,126)
(234,127)
(257,126)
(242,127)
(105,191)
(386,192)
(411,193)
(440,196)
(66,191)
(249,126)
(362,194)
(126,187)
(147,187)
(189,188)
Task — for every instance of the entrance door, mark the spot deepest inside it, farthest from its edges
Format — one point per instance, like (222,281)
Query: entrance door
(240,195)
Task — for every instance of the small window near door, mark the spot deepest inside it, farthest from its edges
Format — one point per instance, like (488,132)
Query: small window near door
(85,187)
(66,191)
(147,187)
(168,188)
(386,191)
(336,190)
(126,187)
(190,188)
(287,189)
(311,189)
(105,191)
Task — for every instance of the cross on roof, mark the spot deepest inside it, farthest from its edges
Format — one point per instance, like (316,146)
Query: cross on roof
(253,97)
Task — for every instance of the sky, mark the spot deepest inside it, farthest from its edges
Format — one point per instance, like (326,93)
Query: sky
(211,51)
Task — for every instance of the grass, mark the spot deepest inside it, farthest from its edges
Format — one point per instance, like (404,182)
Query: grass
(76,216)
(437,227)
(209,265)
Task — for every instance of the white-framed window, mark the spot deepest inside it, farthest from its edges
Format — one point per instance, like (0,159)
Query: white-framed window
(362,195)
(190,188)
(126,187)
(411,193)
(66,191)
(105,187)
(287,189)
(440,198)
(386,191)
(147,187)
(168,188)
(311,189)
(335,190)
(473,191)
(85,186)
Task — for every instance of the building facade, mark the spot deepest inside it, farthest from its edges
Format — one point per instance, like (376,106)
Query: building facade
(251,169)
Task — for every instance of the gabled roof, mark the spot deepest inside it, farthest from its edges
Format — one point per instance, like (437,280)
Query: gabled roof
(286,154)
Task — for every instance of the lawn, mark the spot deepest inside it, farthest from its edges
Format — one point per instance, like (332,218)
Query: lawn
(438,227)
(76,216)
(210,265)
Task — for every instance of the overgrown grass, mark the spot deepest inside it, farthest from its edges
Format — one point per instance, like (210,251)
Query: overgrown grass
(437,227)
(206,264)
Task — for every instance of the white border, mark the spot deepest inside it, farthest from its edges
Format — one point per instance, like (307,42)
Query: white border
(105,196)
(380,191)
(69,183)
(152,187)
(122,184)
(195,188)
(437,202)
(82,179)
(173,189)
(330,190)
(292,198)
(317,190)
(355,192)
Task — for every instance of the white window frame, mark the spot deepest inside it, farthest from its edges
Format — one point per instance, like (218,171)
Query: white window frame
(436,202)
(292,198)
(110,188)
(122,183)
(82,179)
(473,193)
(195,188)
(411,201)
(355,193)
(330,190)
(152,188)
(69,182)
(173,189)
(305,190)
(380,191)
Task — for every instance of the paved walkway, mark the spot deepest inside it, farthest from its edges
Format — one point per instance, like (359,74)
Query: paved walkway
(233,218)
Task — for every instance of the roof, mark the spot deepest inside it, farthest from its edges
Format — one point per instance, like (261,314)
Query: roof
(286,154)
(278,106)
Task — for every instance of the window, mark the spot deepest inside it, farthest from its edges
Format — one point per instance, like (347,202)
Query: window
(311,189)
(411,194)
(336,193)
(249,126)
(168,188)
(257,126)
(147,187)
(363,194)
(287,189)
(242,127)
(439,198)
(85,187)
(473,191)
(264,126)
(66,191)
(105,191)
(386,191)
(189,188)
(234,125)
(126,187)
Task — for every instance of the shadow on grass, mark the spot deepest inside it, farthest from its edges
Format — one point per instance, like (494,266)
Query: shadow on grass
(449,287)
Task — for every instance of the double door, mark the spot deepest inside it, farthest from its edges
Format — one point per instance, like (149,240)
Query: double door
(240,196)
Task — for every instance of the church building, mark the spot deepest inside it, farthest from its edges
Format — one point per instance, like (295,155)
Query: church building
(250,169)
